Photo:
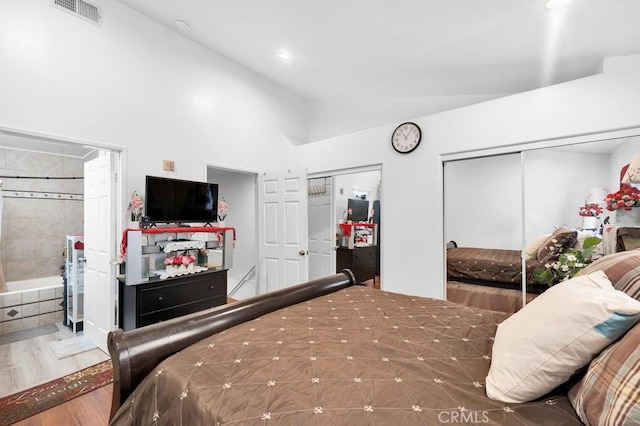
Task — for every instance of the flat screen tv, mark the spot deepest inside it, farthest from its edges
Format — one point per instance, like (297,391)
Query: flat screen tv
(359,209)
(180,201)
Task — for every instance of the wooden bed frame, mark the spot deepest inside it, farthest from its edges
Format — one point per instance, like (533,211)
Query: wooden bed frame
(137,352)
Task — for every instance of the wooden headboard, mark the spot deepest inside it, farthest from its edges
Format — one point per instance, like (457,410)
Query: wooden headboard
(137,352)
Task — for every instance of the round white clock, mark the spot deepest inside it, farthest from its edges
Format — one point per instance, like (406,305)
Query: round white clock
(406,137)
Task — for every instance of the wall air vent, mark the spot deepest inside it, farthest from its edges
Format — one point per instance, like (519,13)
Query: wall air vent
(81,9)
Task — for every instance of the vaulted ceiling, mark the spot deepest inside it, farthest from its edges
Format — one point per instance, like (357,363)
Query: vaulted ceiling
(407,48)
(360,49)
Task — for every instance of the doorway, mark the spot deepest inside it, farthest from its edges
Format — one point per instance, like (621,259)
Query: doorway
(328,200)
(238,190)
(42,204)
(327,208)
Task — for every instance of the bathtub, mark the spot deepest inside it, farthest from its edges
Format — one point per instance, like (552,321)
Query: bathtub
(30,303)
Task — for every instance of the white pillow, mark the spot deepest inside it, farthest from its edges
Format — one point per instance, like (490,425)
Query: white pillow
(542,345)
(531,248)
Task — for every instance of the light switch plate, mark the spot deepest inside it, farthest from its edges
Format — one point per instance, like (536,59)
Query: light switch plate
(168,165)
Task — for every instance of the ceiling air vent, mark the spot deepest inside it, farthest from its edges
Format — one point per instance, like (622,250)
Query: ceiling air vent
(81,9)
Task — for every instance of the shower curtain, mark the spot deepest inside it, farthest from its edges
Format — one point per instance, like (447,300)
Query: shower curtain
(3,283)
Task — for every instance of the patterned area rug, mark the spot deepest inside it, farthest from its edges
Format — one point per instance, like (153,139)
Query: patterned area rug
(40,398)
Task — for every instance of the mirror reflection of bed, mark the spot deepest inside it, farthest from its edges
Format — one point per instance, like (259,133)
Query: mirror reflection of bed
(499,210)
(483,198)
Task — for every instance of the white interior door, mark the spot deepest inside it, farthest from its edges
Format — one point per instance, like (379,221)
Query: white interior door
(99,248)
(322,233)
(282,229)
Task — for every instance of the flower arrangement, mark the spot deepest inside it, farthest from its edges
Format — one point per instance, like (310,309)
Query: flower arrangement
(626,198)
(590,210)
(135,206)
(568,263)
(178,263)
(222,209)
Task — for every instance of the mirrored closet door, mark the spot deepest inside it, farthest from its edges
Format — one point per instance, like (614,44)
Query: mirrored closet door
(564,193)
(483,229)
(509,216)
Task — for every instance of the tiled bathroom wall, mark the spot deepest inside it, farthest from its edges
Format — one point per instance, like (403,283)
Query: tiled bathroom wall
(32,242)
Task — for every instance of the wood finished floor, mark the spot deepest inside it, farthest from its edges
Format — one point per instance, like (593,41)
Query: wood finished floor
(87,410)
(31,362)
(370,283)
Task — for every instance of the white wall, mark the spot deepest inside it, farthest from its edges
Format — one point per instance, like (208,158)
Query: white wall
(483,201)
(139,86)
(555,187)
(136,84)
(413,249)
(330,118)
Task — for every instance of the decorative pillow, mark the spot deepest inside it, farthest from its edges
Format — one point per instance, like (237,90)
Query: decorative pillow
(609,393)
(632,174)
(566,238)
(622,269)
(560,331)
(533,247)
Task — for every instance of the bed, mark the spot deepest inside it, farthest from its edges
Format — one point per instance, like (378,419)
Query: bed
(324,352)
(491,267)
(491,278)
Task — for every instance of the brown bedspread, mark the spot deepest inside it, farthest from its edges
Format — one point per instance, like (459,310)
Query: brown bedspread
(484,297)
(357,356)
(497,267)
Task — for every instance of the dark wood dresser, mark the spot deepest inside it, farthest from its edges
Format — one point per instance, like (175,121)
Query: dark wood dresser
(361,261)
(159,300)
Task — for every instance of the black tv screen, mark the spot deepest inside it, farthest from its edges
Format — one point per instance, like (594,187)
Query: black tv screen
(180,201)
(359,209)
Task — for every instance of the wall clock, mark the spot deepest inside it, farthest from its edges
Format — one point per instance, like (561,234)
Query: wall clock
(406,137)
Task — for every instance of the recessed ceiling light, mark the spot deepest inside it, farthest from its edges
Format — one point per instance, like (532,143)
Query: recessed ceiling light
(285,56)
(557,4)
(182,26)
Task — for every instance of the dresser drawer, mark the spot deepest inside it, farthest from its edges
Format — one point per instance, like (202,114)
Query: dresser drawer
(360,260)
(176,311)
(364,257)
(180,293)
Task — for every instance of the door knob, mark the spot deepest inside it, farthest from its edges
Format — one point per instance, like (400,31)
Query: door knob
(302,252)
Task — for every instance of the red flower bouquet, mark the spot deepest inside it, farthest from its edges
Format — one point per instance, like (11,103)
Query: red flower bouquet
(626,198)
(590,210)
